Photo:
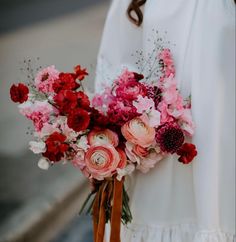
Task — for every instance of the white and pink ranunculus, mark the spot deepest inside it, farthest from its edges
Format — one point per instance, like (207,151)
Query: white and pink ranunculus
(103,137)
(45,78)
(143,157)
(102,161)
(139,132)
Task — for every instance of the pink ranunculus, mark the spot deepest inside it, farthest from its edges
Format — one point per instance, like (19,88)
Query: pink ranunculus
(45,78)
(144,158)
(103,137)
(140,151)
(138,131)
(123,159)
(102,161)
(39,112)
(149,161)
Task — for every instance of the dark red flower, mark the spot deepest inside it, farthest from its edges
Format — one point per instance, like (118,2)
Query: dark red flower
(78,120)
(56,147)
(66,101)
(98,119)
(66,81)
(80,73)
(170,137)
(138,76)
(187,152)
(154,93)
(19,93)
(82,100)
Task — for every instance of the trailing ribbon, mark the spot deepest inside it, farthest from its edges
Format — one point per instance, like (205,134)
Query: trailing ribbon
(108,190)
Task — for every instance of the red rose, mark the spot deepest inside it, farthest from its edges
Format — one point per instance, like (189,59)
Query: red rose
(56,146)
(66,81)
(82,100)
(66,101)
(78,120)
(19,93)
(187,152)
(80,73)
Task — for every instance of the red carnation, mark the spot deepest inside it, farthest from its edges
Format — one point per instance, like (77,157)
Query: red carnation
(187,152)
(170,137)
(56,147)
(19,94)
(82,100)
(78,120)
(66,101)
(80,73)
(66,81)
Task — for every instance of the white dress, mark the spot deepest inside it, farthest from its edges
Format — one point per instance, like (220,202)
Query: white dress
(176,202)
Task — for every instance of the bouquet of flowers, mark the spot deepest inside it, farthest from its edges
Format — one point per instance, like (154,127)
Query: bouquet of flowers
(131,125)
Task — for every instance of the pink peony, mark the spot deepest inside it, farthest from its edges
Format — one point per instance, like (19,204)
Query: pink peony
(103,137)
(102,161)
(38,112)
(45,78)
(138,131)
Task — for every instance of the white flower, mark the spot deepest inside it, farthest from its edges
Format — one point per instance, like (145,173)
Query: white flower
(37,147)
(125,171)
(83,143)
(43,164)
(154,118)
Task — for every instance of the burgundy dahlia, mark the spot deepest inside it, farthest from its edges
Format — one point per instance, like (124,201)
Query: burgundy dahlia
(170,137)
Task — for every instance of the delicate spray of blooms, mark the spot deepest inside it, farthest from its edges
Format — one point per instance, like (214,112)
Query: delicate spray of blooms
(131,125)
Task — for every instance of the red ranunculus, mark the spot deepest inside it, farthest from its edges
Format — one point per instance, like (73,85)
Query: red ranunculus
(66,101)
(56,147)
(78,120)
(187,152)
(80,73)
(130,90)
(66,81)
(19,93)
(82,100)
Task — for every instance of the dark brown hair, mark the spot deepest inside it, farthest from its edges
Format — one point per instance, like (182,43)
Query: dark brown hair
(134,12)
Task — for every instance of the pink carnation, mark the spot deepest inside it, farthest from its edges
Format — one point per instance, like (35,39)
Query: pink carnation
(45,78)
(38,112)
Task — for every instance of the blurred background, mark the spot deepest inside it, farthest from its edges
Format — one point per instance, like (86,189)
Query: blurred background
(36,205)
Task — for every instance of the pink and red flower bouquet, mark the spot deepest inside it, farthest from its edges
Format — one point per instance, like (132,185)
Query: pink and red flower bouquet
(131,126)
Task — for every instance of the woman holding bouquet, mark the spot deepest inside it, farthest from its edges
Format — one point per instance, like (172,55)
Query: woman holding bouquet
(176,203)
